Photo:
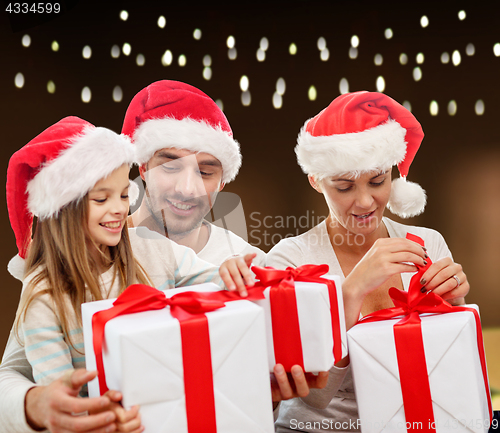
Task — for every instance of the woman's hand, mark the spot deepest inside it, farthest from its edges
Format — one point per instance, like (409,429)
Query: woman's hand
(386,257)
(283,388)
(235,272)
(440,278)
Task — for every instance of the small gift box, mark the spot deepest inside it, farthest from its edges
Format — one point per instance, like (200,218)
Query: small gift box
(192,364)
(304,313)
(420,366)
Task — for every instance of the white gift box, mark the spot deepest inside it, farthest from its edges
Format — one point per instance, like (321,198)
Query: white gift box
(459,398)
(143,359)
(315,322)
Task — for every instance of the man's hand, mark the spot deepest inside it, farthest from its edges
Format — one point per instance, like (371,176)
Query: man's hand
(56,406)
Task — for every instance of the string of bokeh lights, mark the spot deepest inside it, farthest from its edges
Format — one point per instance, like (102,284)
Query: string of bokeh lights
(277,98)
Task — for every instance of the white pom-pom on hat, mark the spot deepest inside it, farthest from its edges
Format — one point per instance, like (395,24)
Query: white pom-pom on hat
(407,199)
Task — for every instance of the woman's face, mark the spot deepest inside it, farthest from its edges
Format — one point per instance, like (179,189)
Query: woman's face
(356,204)
(108,207)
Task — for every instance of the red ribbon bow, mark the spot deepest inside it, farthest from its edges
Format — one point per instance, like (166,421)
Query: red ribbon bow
(189,309)
(410,352)
(284,314)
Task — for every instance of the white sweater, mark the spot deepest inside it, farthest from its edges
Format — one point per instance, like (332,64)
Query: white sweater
(337,401)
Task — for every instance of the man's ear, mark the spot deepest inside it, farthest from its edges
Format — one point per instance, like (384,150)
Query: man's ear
(222,185)
(142,169)
(315,183)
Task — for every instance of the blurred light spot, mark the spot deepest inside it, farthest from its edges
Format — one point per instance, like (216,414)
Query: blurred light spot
(51,87)
(54,46)
(19,80)
(324,55)
(403,59)
(417,74)
(246,99)
(380,83)
(470,49)
(292,49)
(261,55)
(353,52)
(87,52)
(232,53)
(207,73)
(312,93)
(167,58)
(140,60)
(86,94)
(445,58)
(280,86)
(277,100)
(434,108)
(26,41)
(321,43)
(452,108)
(378,59)
(496,49)
(424,21)
(230,42)
(244,83)
(407,105)
(182,60)
(115,51)
(456,58)
(420,58)
(124,15)
(388,33)
(162,22)
(264,44)
(354,41)
(219,104)
(461,15)
(344,86)
(197,34)
(117,94)
(479,107)
(127,49)
(207,60)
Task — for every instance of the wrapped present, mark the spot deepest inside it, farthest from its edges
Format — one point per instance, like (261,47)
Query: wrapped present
(420,365)
(191,362)
(304,312)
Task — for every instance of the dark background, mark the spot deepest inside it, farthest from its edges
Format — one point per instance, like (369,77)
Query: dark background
(458,163)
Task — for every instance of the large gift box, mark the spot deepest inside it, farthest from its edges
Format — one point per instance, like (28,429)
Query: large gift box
(304,313)
(420,366)
(195,372)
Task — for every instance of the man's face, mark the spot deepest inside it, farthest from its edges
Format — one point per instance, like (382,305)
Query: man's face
(181,187)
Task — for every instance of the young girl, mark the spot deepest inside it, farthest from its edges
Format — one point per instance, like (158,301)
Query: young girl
(74,178)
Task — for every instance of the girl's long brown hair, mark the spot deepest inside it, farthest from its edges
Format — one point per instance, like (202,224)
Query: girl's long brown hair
(60,258)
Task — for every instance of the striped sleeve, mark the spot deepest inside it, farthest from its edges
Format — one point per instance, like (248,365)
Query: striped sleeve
(46,350)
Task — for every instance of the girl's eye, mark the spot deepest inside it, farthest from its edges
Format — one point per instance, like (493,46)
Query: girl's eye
(124,197)
(99,200)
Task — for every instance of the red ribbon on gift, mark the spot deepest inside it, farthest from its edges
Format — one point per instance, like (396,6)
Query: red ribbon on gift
(410,352)
(189,309)
(284,314)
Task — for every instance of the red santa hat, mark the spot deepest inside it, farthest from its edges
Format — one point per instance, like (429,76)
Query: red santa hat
(362,132)
(174,114)
(57,167)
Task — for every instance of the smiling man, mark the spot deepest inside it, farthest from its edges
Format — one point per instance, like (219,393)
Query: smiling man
(186,154)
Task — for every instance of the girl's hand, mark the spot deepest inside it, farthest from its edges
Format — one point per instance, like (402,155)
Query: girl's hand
(128,421)
(440,278)
(235,272)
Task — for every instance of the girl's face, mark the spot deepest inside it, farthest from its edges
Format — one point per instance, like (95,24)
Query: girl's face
(356,204)
(108,207)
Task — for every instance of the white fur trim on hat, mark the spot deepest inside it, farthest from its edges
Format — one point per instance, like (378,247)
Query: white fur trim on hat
(16,267)
(196,136)
(133,192)
(407,199)
(92,156)
(378,148)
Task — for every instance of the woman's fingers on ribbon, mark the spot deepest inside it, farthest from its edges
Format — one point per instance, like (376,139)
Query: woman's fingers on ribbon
(441,273)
